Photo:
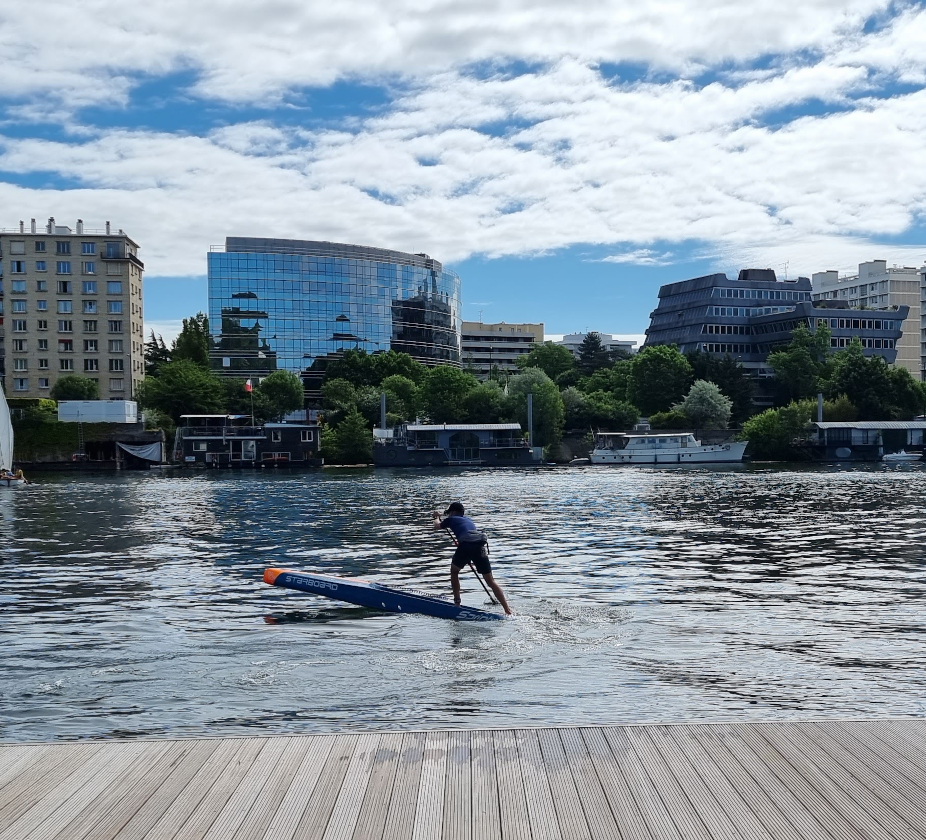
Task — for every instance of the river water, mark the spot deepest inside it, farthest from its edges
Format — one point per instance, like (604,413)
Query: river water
(133,605)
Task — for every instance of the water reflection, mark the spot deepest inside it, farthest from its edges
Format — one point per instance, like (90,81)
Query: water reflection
(134,605)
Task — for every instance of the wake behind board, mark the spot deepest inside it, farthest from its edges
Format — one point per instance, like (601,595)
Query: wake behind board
(376,596)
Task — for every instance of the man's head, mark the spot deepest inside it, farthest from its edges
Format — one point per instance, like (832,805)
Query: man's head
(455,509)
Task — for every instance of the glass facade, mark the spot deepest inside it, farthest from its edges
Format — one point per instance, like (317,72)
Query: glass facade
(278,304)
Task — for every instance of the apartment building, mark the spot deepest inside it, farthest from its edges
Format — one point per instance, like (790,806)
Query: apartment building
(70,303)
(881,288)
(573,342)
(488,347)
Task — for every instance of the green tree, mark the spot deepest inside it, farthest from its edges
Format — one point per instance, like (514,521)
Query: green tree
(549,413)
(239,401)
(183,387)
(349,442)
(802,365)
(672,419)
(839,410)
(771,434)
(908,397)
(728,375)
(614,379)
(484,404)
(706,407)
(354,366)
(660,376)
(193,342)
(338,398)
(157,353)
(593,355)
(444,391)
(574,406)
(553,359)
(403,397)
(75,388)
(284,393)
(389,364)
(864,380)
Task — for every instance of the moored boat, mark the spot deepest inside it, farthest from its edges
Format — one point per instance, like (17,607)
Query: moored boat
(901,456)
(636,448)
(9,479)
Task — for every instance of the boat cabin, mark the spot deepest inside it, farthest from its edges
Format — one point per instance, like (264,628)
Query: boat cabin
(865,440)
(476,444)
(649,441)
(226,440)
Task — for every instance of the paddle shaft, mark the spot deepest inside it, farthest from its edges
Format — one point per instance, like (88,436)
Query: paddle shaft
(456,542)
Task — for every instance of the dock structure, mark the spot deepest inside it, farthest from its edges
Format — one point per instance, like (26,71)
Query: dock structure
(762,781)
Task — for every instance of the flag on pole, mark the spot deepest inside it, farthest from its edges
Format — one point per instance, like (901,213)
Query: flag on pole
(247,386)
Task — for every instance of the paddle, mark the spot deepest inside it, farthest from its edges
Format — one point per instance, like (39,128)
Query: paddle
(456,542)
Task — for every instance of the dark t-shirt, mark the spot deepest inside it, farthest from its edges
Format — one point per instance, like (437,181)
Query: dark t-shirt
(463,528)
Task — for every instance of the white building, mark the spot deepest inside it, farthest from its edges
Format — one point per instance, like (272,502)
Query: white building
(497,346)
(573,342)
(878,287)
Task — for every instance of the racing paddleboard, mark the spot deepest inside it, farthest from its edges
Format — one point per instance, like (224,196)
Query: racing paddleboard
(376,596)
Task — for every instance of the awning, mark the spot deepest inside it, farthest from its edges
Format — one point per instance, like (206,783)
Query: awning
(149,451)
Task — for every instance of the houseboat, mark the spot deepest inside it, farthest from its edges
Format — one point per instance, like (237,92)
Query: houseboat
(866,440)
(642,448)
(474,445)
(230,440)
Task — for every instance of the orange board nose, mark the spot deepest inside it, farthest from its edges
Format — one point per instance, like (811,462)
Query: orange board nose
(270,575)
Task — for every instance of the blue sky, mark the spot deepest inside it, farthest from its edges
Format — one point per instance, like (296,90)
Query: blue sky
(565,162)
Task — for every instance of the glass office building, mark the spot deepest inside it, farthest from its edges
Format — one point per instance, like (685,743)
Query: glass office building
(281,304)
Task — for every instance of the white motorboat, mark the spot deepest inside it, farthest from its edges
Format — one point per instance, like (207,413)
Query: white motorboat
(900,457)
(7,479)
(635,448)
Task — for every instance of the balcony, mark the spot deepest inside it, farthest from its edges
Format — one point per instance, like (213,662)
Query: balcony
(223,432)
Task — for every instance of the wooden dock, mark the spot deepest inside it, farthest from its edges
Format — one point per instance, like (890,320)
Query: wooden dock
(761,781)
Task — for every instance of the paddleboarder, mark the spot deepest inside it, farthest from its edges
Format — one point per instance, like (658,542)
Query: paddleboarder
(472,547)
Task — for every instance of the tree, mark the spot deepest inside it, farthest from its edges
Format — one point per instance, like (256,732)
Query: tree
(660,376)
(484,404)
(348,442)
(239,401)
(728,375)
(183,387)
(614,379)
(443,393)
(75,388)
(802,365)
(193,342)
(771,434)
(865,381)
(354,366)
(548,410)
(706,407)
(672,419)
(593,355)
(403,396)
(574,406)
(157,353)
(553,359)
(389,364)
(338,398)
(283,392)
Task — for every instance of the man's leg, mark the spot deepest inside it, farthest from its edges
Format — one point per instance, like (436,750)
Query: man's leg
(498,592)
(455,583)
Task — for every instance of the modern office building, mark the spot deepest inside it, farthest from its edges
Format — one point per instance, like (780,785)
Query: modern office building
(282,304)
(751,316)
(573,342)
(488,347)
(881,288)
(70,303)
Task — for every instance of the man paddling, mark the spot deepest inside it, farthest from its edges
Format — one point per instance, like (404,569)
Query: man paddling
(470,544)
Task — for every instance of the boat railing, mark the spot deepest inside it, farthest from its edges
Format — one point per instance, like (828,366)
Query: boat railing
(223,431)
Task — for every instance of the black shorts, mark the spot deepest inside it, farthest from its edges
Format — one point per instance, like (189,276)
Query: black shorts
(471,553)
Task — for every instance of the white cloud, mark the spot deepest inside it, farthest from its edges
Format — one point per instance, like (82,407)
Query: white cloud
(639,256)
(168,330)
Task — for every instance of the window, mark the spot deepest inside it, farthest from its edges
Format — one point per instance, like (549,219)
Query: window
(41,285)
(91,365)
(307,436)
(90,326)
(276,437)
(20,384)
(19,345)
(41,305)
(64,267)
(17,266)
(17,247)
(114,251)
(43,363)
(19,325)
(115,326)
(64,287)
(43,344)
(89,287)
(116,384)
(89,307)
(114,287)
(65,307)
(115,307)
(41,324)
(20,364)
(65,326)
(88,247)
(65,345)
(62,247)
(115,345)
(17,285)
(19,306)
(43,382)
(88,267)
(39,247)
(65,364)
(199,445)
(91,345)
(116,365)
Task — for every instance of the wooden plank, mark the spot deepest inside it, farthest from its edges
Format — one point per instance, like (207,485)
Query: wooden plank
(194,810)
(458,798)
(486,818)
(838,787)
(569,812)
(350,799)
(540,809)
(292,808)
(318,810)
(624,809)
(17,759)
(371,821)
(512,801)
(594,802)
(134,825)
(400,818)
(903,740)
(429,811)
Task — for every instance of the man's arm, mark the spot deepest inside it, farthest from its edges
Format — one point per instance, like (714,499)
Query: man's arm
(436,520)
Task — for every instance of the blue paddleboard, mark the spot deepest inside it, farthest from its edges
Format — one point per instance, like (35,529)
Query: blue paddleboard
(376,596)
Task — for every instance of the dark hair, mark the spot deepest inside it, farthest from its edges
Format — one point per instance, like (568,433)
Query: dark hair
(455,507)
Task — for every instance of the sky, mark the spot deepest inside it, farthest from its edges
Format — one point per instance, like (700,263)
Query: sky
(565,160)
